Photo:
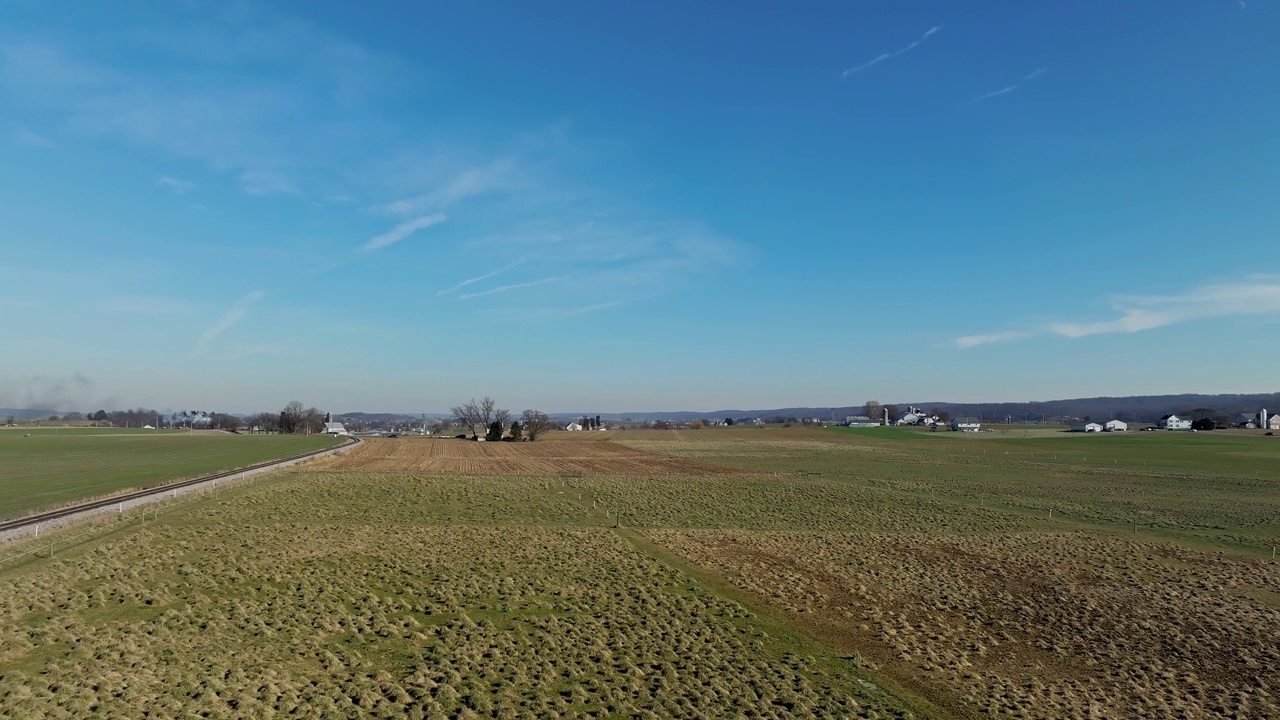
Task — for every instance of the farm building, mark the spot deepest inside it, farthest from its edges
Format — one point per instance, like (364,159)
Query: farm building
(1247,421)
(1116,426)
(335,429)
(1087,427)
(966,424)
(916,416)
(1273,422)
(1173,422)
(573,427)
(859,421)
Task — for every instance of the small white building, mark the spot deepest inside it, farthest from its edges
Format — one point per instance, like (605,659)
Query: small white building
(1116,426)
(1173,422)
(966,424)
(1087,427)
(1273,422)
(573,427)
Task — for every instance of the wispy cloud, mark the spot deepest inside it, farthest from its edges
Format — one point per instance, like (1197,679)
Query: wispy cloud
(141,305)
(233,316)
(1257,295)
(177,186)
(996,93)
(969,341)
(243,124)
(496,176)
(1010,88)
(404,230)
(889,56)
(27,138)
(505,288)
(480,278)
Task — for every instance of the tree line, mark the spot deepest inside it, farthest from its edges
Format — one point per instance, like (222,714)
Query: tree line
(497,423)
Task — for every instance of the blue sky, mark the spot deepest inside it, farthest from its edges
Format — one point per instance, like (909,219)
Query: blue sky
(657,206)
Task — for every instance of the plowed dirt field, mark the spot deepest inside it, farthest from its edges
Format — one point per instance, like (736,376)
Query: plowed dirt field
(547,457)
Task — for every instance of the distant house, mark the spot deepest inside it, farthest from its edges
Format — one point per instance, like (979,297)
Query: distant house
(1245,420)
(1173,422)
(1273,422)
(1087,427)
(1116,426)
(966,424)
(335,429)
(859,421)
(573,427)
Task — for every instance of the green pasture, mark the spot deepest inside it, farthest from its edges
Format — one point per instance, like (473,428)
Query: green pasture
(78,430)
(41,469)
(1216,489)
(1212,452)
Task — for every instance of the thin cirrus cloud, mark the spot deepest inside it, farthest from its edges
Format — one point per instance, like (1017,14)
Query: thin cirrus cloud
(1010,88)
(404,230)
(233,316)
(176,186)
(969,341)
(480,278)
(889,56)
(497,176)
(1259,295)
(505,288)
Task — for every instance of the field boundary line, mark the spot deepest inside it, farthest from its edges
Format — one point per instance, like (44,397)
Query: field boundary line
(31,525)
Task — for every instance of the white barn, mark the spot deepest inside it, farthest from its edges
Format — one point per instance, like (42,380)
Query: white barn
(966,424)
(573,427)
(1087,427)
(1116,426)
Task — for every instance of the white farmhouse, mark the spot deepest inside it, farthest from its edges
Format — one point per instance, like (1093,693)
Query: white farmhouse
(1087,427)
(1116,426)
(1173,422)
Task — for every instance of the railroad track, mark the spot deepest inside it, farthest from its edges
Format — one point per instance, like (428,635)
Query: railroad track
(44,517)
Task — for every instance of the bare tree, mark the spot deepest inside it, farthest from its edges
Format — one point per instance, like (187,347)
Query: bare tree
(467,415)
(265,422)
(534,423)
(871,409)
(482,414)
(291,417)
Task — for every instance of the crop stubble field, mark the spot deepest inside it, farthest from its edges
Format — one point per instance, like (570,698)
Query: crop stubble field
(803,575)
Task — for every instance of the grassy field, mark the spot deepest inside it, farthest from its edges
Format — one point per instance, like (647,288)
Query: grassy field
(52,467)
(813,574)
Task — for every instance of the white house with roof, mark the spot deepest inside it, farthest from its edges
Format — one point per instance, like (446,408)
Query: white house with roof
(573,427)
(1115,426)
(1087,427)
(1173,422)
(335,428)
(966,424)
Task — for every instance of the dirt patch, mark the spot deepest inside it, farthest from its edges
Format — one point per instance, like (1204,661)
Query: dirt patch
(1033,625)
(548,457)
